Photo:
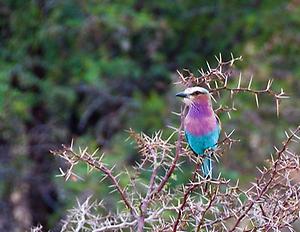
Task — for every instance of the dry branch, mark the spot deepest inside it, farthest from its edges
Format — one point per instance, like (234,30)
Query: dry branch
(271,203)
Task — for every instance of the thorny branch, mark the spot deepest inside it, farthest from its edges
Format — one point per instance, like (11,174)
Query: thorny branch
(177,154)
(271,203)
(73,158)
(220,76)
(180,211)
(220,73)
(263,185)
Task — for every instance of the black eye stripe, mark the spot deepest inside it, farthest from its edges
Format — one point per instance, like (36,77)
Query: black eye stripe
(196,93)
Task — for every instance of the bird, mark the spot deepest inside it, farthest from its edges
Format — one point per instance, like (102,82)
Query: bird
(201,125)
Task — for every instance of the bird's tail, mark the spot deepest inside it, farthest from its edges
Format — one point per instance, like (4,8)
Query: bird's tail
(207,167)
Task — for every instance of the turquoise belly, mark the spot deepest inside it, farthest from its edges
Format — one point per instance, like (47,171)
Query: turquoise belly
(200,143)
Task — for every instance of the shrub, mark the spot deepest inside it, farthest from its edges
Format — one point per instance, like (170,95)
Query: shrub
(271,203)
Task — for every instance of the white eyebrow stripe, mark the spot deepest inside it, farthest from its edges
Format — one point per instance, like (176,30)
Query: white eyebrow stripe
(195,89)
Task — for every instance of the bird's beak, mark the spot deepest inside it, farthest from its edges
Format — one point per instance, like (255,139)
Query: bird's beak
(181,94)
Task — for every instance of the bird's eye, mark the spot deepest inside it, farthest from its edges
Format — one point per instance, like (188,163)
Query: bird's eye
(196,93)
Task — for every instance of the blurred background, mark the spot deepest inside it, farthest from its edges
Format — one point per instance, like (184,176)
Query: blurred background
(89,70)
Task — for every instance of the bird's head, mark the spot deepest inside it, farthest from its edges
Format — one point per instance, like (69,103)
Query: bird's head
(195,95)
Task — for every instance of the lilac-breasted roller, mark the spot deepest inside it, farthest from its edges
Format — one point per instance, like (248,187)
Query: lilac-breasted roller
(201,125)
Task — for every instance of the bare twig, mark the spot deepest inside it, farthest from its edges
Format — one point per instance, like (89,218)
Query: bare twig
(69,154)
(177,154)
(154,203)
(263,187)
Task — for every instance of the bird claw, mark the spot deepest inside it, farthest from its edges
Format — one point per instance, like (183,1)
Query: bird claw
(208,152)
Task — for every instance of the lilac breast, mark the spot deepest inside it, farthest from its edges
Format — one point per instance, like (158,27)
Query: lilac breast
(200,120)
